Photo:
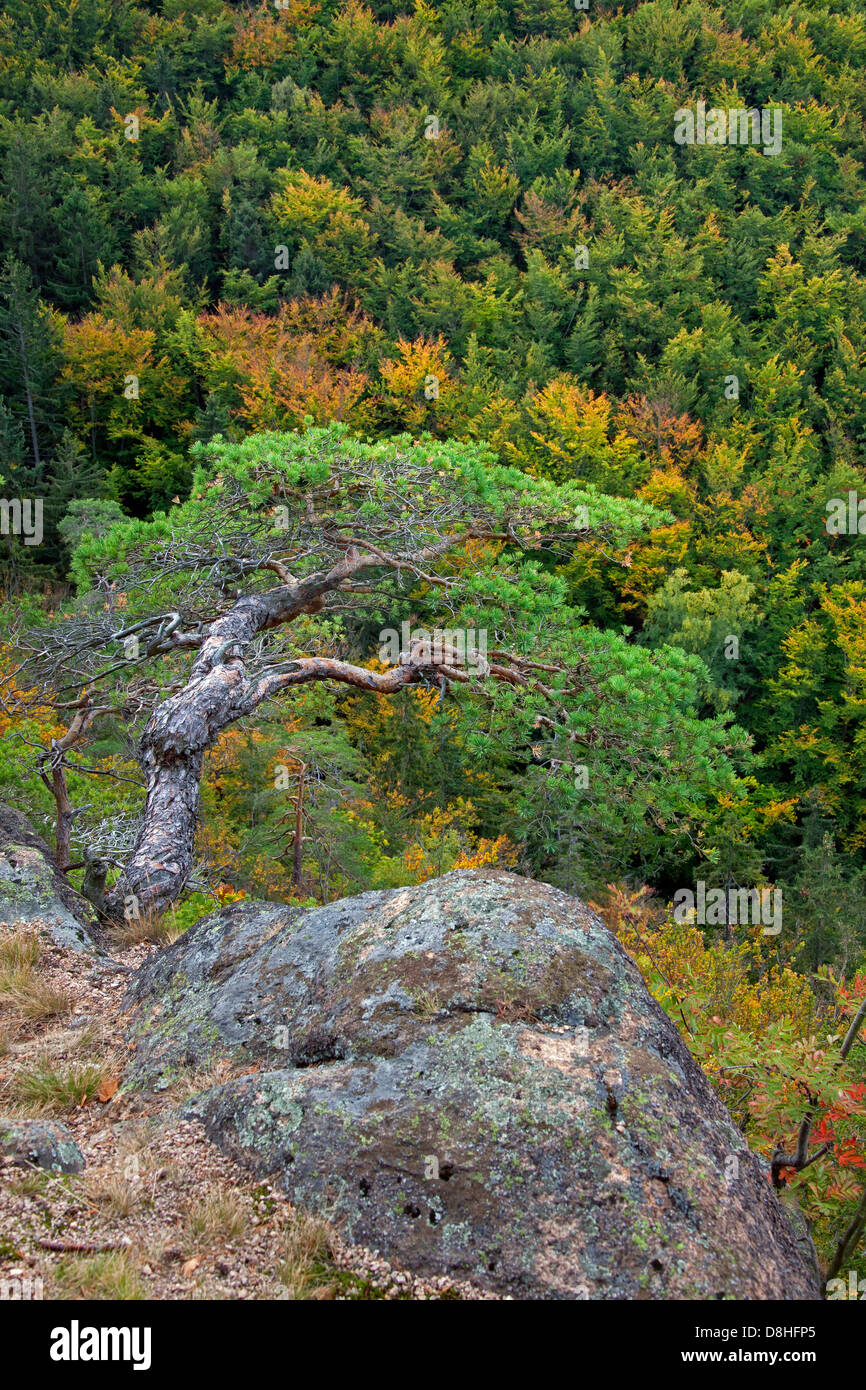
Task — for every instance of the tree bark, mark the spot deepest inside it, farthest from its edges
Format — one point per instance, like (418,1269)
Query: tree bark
(219,691)
(298,844)
(31,414)
(171,755)
(52,770)
(58,788)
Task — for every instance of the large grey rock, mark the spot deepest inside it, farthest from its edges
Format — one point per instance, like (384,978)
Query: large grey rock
(33,892)
(36,1144)
(471,1076)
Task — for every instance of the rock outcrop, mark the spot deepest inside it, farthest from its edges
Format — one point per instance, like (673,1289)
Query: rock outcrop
(471,1077)
(34,893)
(37,1144)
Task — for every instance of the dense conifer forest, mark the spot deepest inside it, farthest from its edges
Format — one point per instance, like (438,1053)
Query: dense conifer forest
(580,288)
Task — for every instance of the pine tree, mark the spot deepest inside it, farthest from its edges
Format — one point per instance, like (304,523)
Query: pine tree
(28,356)
(83,236)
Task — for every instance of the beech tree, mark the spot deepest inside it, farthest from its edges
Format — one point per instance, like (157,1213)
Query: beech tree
(296,552)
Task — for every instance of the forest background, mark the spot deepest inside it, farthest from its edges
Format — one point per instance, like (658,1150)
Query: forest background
(472,221)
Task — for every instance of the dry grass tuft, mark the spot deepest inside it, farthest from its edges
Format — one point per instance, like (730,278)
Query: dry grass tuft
(308,1254)
(115,1193)
(159,927)
(21,988)
(112,1275)
(217,1217)
(46,1085)
(20,950)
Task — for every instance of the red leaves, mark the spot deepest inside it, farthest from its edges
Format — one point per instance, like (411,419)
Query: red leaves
(847,1152)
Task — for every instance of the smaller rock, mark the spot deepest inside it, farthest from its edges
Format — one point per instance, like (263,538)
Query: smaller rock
(35,1144)
(33,891)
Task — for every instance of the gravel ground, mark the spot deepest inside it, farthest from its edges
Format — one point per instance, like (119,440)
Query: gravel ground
(158,1212)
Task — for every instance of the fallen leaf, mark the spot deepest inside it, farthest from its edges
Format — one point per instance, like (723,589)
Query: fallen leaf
(108,1088)
(190,1266)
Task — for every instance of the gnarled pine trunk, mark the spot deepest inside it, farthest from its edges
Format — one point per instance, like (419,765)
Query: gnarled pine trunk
(219,691)
(172,749)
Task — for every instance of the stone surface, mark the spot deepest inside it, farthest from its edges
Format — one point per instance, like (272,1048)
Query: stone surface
(35,1144)
(33,892)
(472,1078)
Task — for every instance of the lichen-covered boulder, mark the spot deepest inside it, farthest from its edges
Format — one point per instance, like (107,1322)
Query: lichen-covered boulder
(33,892)
(37,1144)
(471,1076)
